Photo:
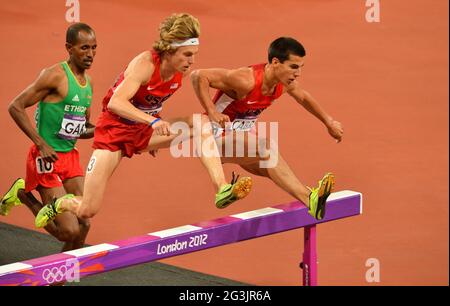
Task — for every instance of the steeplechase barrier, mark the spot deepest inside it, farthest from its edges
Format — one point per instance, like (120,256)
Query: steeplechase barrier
(73,265)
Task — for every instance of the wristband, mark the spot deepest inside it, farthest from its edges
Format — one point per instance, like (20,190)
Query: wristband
(154,121)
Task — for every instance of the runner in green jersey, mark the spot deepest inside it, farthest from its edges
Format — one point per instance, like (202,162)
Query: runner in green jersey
(63,94)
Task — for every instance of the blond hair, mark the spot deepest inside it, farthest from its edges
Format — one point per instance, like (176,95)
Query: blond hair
(175,28)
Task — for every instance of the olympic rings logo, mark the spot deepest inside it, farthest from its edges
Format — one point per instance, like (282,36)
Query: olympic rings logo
(69,272)
(55,274)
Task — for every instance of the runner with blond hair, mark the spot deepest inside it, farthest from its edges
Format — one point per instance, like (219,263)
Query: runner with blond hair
(130,122)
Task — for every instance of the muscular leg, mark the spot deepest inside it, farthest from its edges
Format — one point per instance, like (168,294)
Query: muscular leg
(100,168)
(75,186)
(105,162)
(34,206)
(281,174)
(65,226)
(30,201)
(209,156)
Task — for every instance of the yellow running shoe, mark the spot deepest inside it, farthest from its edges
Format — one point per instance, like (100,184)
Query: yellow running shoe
(318,196)
(11,199)
(49,212)
(229,193)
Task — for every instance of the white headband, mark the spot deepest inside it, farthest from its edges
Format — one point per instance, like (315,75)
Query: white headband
(187,42)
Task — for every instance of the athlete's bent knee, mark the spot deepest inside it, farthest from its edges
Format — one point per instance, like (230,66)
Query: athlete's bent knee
(85,225)
(68,234)
(86,213)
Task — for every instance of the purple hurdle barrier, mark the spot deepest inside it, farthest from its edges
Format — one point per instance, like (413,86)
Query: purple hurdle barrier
(73,265)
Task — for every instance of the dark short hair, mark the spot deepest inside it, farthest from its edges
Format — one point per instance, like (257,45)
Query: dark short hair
(74,29)
(282,47)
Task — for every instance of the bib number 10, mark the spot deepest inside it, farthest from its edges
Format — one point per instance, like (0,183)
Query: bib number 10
(42,166)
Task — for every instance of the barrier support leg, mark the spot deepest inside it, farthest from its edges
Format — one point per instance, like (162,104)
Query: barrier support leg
(309,264)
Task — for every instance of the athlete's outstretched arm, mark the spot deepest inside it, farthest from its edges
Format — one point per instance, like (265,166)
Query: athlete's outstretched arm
(228,81)
(46,82)
(138,73)
(311,105)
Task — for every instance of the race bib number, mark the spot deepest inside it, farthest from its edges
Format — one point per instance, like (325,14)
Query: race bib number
(42,166)
(243,124)
(91,164)
(72,126)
